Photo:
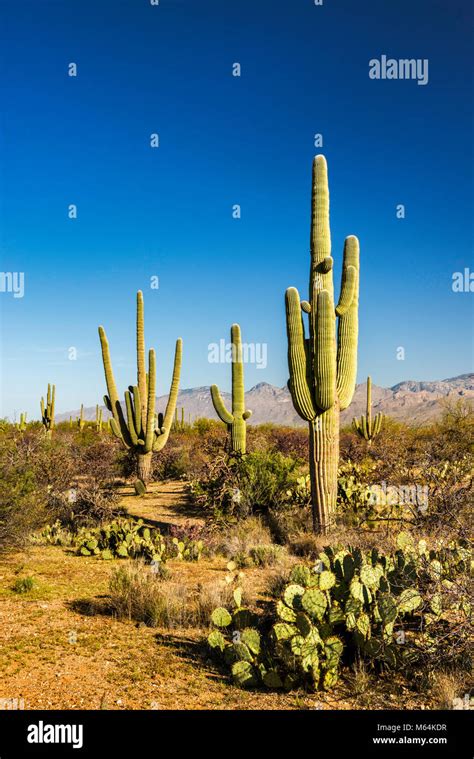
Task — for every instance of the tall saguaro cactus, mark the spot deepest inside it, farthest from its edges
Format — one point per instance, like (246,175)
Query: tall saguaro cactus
(323,366)
(367,427)
(141,430)
(236,421)
(47,410)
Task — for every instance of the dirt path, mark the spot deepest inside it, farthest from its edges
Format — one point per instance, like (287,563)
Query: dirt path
(165,504)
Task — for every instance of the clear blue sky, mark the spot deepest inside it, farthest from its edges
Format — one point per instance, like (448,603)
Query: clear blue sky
(226,140)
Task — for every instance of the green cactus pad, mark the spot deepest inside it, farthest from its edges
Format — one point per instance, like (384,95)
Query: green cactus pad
(370,576)
(242,652)
(251,638)
(272,679)
(409,600)
(221,617)
(387,607)
(405,541)
(216,640)
(301,575)
(330,679)
(243,618)
(283,631)
(333,648)
(284,612)
(292,596)
(363,625)
(303,623)
(314,602)
(244,674)
(436,604)
(326,580)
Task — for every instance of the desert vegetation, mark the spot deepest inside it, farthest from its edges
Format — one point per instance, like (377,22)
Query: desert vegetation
(153,562)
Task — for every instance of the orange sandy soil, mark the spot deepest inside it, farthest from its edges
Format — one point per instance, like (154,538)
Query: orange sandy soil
(117,664)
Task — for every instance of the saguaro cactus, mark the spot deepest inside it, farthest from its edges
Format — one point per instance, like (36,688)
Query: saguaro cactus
(367,427)
(80,419)
(140,431)
(47,410)
(236,421)
(21,425)
(323,366)
(98,418)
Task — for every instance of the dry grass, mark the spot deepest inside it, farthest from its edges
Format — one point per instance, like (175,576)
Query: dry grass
(448,689)
(136,593)
(241,538)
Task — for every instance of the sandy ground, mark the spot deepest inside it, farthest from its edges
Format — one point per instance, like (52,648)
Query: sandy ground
(61,648)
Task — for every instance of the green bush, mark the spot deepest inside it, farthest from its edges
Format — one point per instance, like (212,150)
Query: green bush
(393,610)
(23,585)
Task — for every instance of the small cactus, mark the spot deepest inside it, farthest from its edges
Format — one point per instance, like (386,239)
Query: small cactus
(367,427)
(47,410)
(80,419)
(21,425)
(98,419)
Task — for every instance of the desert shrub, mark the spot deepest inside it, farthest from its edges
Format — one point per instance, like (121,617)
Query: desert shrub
(289,441)
(253,484)
(139,594)
(23,497)
(400,611)
(23,585)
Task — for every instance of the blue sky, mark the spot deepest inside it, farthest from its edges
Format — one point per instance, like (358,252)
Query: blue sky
(227,140)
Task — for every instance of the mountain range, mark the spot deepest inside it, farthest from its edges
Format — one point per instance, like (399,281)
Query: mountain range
(409,401)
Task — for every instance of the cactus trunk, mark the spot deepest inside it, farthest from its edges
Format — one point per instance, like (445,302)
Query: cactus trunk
(323,465)
(144,461)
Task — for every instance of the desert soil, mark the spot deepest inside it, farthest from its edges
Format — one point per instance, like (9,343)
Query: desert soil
(61,648)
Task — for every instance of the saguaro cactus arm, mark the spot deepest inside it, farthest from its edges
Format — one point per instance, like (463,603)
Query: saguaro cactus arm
(163,431)
(117,423)
(219,405)
(348,325)
(299,383)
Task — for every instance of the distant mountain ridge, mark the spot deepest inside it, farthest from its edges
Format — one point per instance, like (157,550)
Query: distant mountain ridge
(409,401)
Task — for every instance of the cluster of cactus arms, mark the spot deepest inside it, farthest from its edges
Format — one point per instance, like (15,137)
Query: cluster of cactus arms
(98,419)
(47,410)
(237,420)
(140,430)
(368,427)
(80,421)
(323,366)
(22,424)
